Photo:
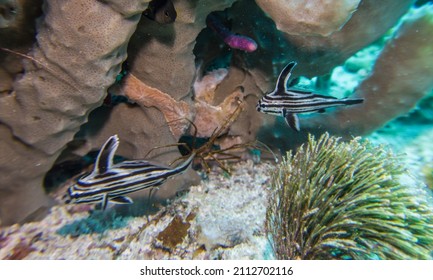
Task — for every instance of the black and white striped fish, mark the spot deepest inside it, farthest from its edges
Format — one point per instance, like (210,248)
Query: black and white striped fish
(110,182)
(290,102)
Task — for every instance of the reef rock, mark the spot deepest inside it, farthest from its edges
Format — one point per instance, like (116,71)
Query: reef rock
(400,78)
(357,33)
(162,56)
(80,48)
(309,17)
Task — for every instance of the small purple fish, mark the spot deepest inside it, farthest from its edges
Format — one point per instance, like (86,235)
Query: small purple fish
(234,41)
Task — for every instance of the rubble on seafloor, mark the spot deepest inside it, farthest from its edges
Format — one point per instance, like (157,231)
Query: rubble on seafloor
(222,218)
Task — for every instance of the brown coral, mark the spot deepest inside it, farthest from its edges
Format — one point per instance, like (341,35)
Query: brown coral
(207,118)
(400,78)
(309,17)
(175,112)
(81,45)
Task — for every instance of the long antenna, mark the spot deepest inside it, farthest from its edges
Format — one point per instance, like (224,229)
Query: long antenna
(48,69)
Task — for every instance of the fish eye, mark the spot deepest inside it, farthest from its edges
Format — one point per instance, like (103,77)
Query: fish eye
(8,11)
(167,14)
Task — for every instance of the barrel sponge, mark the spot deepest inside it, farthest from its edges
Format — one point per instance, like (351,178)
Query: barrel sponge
(79,51)
(309,17)
(81,48)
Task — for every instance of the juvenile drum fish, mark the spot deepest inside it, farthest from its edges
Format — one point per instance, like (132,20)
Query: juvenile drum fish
(288,102)
(110,182)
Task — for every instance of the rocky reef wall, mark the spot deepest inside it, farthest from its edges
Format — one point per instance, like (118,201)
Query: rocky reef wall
(52,108)
(79,49)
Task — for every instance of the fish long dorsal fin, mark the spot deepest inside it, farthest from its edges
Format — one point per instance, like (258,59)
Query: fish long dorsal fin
(104,161)
(295,91)
(284,76)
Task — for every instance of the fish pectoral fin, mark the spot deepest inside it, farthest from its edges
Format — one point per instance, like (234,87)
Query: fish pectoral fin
(292,120)
(104,202)
(121,200)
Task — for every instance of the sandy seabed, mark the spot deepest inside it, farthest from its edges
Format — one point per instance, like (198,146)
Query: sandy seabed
(222,218)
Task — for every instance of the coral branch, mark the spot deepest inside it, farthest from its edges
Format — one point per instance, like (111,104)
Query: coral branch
(207,118)
(175,112)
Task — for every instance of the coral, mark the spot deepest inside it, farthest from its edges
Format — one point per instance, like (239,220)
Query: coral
(338,200)
(387,95)
(311,17)
(161,55)
(80,47)
(357,33)
(276,47)
(51,96)
(173,232)
(176,113)
(207,118)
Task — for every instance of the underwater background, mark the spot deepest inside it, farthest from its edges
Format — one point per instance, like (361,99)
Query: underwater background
(202,129)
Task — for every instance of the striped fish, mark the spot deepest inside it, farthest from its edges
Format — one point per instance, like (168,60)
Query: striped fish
(110,183)
(290,102)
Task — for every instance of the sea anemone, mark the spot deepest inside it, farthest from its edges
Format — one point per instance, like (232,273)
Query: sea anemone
(346,200)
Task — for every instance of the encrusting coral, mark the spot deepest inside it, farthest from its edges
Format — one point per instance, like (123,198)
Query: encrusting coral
(339,200)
